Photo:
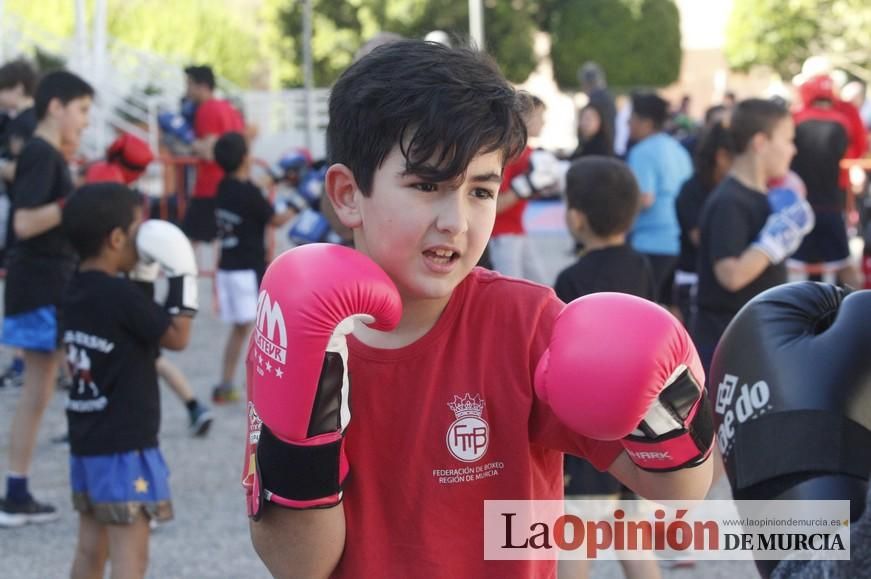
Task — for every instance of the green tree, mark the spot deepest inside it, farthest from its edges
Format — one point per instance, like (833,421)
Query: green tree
(342,26)
(782,34)
(182,30)
(636,42)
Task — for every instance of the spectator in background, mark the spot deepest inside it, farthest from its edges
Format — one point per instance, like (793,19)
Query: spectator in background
(213,118)
(509,248)
(661,165)
(595,137)
(595,86)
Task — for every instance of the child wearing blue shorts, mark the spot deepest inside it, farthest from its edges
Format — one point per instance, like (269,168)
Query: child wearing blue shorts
(113,334)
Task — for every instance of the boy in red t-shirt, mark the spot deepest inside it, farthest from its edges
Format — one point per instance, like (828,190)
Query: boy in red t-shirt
(213,118)
(465,387)
(510,251)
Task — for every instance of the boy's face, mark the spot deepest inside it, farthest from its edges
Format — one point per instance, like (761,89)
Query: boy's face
(11,97)
(426,236)
(72,119)
(128,255)
(777,150)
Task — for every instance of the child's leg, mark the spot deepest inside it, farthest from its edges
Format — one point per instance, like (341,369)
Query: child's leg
(128,549)
(40,372)
(233,349)
(92,549)
(199,414)
(175,379)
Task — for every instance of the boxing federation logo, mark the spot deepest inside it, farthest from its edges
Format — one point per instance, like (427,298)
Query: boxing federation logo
(270,319)
(468,436)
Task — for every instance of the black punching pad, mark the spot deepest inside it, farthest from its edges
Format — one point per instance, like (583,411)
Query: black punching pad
(790,383)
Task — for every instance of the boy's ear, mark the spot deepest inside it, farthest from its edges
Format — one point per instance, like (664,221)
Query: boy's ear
(575,219)
(116,238)
(343,192)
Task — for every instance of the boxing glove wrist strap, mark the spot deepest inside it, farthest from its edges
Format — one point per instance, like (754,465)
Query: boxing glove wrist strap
(181,297)
(680,448)
(300,476)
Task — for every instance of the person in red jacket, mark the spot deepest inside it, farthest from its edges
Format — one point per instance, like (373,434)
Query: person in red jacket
(827,131)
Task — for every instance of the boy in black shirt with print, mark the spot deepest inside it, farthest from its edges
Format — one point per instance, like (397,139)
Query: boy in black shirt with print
(38,268)
(603,199)
(744,242)
(242,214)
(113,333)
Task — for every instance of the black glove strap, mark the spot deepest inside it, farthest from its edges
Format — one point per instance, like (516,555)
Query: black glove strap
(301,473)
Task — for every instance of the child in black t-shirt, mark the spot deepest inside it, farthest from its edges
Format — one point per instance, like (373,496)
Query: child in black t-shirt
(242,214)
(743,242)
(38,268)
(602,199)
(112,334)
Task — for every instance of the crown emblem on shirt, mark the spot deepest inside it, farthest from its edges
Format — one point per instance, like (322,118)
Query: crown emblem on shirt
(467,406)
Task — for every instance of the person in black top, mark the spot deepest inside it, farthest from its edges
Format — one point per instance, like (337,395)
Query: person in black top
(594,84)
(595,137)
(242,215)
(743,242)
(603,199)
(112,334)
(17,84)
(38,268)
(713,158)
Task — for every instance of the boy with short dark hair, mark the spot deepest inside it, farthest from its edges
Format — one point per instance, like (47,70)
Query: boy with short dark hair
(38,268)
(113,333)
(602,199)
(242,214)
(744,239)
(455,369)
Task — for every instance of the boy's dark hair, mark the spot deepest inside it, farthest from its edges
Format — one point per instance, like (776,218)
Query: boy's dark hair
(93,211)
(201,75)
(61,85)
(442,106)
(230,151)
(714,139)
(753,116)
(18,72)
(651,106)
(605,190)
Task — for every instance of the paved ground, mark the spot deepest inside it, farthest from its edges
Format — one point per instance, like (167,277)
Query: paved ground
(209,537)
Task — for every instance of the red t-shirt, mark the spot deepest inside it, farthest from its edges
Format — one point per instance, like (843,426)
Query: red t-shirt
(214,117)
(405,515)
(510,221)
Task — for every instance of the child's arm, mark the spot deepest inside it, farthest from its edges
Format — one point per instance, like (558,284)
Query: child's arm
(735,273)
(30,222)
(686,483)
(177,334)
(302,544)
(295,462)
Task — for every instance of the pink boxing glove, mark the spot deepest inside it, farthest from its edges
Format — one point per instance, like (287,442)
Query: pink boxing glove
(297,372)
(619,367)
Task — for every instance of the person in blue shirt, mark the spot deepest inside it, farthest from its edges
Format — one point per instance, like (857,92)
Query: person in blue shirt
(661,165)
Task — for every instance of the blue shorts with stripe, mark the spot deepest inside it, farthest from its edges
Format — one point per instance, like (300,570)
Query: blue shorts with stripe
(117,488)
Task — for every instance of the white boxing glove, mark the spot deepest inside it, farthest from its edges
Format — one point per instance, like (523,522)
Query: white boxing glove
(545,177)
(163,243)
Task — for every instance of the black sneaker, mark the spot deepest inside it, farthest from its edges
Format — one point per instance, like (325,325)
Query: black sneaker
(15,514)
(201,420)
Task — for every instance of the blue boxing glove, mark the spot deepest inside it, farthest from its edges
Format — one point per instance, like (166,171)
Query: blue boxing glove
(176,127)
(309,227)
(791,219)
